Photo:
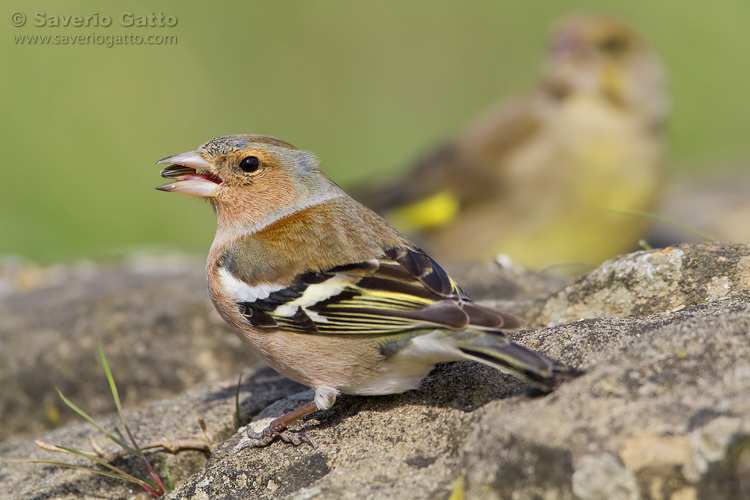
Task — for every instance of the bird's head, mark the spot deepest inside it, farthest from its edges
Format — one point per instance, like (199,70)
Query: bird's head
(604,55)
(247,178)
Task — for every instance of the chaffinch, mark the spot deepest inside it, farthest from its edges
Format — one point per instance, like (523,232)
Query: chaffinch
(324,290)
(534,177)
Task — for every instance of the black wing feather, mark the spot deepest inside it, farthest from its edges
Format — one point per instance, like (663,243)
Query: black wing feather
(404,290)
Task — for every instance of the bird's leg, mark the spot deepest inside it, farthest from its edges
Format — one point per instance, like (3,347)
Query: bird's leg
(279,428)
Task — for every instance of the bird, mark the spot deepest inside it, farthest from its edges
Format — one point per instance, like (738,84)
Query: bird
(555,176)
(324,290)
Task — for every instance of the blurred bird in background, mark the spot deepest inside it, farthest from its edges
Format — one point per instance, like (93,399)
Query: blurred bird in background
(545,178)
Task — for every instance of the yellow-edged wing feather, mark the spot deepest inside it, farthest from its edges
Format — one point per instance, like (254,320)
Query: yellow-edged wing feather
(404,290)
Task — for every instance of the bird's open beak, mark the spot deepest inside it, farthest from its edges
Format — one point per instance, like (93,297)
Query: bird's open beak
(191,173)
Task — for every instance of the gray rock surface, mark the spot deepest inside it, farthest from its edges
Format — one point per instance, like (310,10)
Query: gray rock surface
(648,282)
(152,317)
(662,412)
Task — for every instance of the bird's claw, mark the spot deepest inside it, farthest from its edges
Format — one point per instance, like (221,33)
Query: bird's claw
(296,438)
(253,439)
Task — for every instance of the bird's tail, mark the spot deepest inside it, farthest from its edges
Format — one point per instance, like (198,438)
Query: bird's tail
(496,350)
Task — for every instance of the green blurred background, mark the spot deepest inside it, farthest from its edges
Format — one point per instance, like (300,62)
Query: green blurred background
(366,85)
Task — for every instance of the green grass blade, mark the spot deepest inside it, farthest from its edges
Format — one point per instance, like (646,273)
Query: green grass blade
(665,220)
(115,475)
(157,482)
(237,423)
(168,477)
(123,475)
(81,467)
(90,420)
(135,450)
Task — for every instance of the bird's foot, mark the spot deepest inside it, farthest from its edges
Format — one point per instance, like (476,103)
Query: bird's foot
(252,439)
(296,438)
(278,427)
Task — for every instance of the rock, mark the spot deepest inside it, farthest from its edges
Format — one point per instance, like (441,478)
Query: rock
(660,414)
(175,419)
(642,387)
(152,316)
(648,282)
(644,449)
(603,477)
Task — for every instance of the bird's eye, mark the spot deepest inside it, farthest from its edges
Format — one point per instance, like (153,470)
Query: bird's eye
(250,164)
(613,45)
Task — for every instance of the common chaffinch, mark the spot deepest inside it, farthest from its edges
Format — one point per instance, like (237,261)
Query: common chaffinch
(541,177)
(327,292)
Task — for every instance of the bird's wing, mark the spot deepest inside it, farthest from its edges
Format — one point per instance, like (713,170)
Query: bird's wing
(404,290)
(465,167)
